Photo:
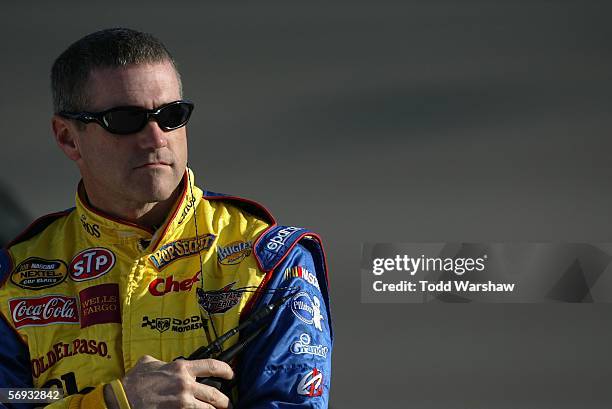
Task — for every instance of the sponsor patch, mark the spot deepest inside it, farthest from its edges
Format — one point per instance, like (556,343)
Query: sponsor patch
(164,324)
(91,229)
(37,273)
(234,252)
(311,384)
(281,236)
(47,310)
(176,250)
(63,350)
(307,309)
(91,263)
(219,301)
(186,209)
(162,286)
(302,346)
(100,305)
(302,273)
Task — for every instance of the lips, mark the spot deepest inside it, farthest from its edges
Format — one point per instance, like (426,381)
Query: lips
(153,165)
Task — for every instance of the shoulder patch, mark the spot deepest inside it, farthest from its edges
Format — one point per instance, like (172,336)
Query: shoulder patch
(274,245)
(244,204)
(38,226)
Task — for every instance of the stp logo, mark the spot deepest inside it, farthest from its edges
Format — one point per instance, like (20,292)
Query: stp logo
(91,263)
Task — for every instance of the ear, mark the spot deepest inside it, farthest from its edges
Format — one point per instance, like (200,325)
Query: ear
(66,137)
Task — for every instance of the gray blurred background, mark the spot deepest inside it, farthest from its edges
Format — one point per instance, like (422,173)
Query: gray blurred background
(381,122)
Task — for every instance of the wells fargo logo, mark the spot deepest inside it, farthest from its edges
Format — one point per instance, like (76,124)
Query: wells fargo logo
(234,252)
(175,250)
(37,273)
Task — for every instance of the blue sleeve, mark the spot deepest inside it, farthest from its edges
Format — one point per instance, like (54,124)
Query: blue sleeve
(289,364)
(14,356)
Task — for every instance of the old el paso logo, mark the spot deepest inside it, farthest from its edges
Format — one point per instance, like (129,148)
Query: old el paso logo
(51,309)
(162,286)
(234,252)
(91,263)
(175,250)
(37,273)
(63,350)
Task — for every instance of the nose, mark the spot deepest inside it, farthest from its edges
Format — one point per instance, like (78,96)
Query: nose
(152,136)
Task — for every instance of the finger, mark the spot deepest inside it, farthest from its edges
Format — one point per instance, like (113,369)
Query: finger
(146,359)
(210,395)
(209,367)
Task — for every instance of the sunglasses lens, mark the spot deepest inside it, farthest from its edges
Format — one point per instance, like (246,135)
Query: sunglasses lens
(174,116)
(125,121)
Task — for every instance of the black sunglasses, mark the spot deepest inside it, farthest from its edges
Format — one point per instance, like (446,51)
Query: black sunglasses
(128,120)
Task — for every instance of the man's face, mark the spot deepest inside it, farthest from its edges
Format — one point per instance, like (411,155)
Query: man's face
(144,167)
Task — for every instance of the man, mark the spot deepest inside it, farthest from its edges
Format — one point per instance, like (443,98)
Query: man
(105,300)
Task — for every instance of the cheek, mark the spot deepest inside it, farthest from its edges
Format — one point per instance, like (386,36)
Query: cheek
(179,148)
(102,154)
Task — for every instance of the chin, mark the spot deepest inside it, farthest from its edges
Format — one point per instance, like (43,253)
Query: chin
(156,187)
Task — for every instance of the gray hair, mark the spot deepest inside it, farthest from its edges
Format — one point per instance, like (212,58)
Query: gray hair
(110,48)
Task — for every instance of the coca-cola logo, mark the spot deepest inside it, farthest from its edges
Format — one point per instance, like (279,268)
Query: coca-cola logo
(37,311)
(91,263)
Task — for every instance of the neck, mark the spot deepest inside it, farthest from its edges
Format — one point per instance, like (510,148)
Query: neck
(147,215)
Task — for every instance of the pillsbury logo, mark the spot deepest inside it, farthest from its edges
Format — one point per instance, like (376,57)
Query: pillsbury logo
(302,346)
(280,237)
(307,310)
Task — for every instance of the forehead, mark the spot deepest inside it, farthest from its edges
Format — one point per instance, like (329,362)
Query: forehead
(145,85)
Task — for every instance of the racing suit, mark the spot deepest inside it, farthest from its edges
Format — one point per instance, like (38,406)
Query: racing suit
(84,295)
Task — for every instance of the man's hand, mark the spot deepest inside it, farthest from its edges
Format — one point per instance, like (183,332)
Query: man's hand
(157,384)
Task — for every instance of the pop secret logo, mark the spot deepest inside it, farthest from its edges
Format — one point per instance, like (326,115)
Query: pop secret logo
(91,263)
(52,309)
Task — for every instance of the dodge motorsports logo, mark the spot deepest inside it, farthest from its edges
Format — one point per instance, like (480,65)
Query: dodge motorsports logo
(164,324)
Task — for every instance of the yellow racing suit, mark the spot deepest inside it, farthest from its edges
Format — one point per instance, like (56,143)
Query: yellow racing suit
(84,295)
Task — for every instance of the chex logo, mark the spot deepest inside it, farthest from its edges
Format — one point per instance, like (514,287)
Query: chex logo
(173,324)
(91,263)
(176,250)
(280,237)
(307,309)
(37,273)
(302,346)
(301,272)
(311,384)
(163,286)
(234,252)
